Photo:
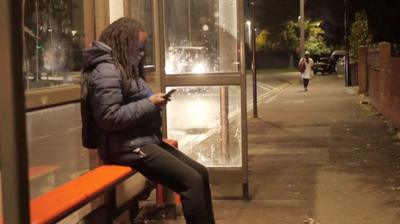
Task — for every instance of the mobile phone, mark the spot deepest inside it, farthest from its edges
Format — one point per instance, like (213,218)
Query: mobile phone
(168,94)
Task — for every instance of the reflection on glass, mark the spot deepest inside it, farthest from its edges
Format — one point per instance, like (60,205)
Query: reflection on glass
(201,36)
(54,147)
(53,42)
(141,10)
(206,122)
(187,60)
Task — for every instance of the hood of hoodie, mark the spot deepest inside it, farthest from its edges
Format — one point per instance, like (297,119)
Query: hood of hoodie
(99,52)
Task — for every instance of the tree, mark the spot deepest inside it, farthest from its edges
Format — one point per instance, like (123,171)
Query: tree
(359,34)
(315,41)
(289,36)
(262,40)
(314,38)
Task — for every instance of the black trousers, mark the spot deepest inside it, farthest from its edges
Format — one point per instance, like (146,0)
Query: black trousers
(170,167)
(305,82)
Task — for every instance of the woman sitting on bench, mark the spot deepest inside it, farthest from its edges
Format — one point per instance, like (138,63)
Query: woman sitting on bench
(127,116)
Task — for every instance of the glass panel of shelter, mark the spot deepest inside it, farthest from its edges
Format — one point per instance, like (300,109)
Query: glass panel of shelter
(53,42)
(202,38)
(54,39)
(55,150)
(141,10)
(206,121)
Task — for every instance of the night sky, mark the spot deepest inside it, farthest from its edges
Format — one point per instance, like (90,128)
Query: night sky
(383,16)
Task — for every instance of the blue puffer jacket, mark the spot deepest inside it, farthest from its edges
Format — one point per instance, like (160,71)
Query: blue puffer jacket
(126,122)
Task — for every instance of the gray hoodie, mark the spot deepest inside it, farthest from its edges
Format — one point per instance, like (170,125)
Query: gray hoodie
(126,121)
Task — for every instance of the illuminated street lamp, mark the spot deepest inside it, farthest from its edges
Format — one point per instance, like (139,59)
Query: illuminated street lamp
(248,24)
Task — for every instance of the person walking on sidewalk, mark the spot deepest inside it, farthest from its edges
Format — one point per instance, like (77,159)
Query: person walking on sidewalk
(305,68)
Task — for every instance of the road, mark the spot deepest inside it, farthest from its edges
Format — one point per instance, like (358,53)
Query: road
(269,83)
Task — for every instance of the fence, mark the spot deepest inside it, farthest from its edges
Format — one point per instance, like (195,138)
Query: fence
(379,77)
(354,74)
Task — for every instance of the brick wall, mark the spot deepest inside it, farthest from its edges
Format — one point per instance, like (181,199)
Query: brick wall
(354,74)
(379,77)
(362,70)
(391,91)
(374,87)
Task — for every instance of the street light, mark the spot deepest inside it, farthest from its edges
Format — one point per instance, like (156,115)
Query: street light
(248,24)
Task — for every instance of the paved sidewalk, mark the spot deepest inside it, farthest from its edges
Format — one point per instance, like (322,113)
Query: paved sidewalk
(319,157)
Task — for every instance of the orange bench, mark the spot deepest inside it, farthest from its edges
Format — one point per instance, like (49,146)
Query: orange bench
(63,200)
(60,202)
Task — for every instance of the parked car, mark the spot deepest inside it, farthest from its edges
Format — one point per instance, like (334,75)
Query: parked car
(339,68)
(329,64)
(338,54)
(336,60)
(322,65)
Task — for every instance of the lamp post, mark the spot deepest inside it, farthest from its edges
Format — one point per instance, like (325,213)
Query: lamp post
(347,74)
(253,64)
(301,21)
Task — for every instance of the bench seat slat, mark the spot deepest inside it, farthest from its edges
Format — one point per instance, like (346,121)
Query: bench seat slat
(54,204)
(102,178)
(59,202)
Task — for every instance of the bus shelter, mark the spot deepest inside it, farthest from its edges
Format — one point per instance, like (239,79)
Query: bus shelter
(195,47)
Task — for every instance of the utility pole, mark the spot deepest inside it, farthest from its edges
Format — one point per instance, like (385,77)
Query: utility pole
(347,74)
(254,64)
(302,32)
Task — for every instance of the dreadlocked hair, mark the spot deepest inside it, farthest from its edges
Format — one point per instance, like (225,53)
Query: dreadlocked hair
(122,36)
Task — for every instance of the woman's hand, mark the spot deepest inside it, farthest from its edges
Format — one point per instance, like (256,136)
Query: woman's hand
(159,99)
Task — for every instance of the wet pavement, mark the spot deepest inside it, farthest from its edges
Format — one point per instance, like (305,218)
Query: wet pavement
(318,157)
